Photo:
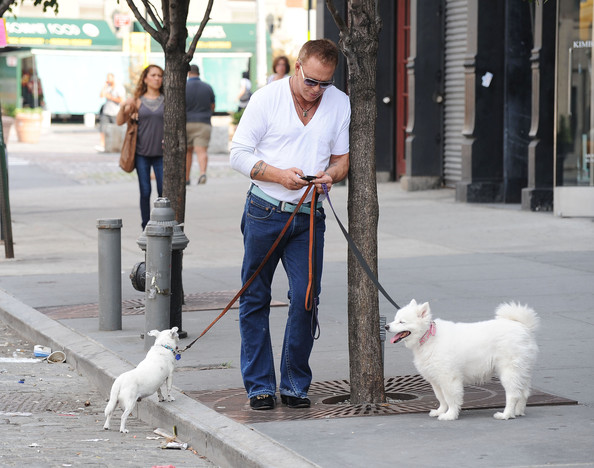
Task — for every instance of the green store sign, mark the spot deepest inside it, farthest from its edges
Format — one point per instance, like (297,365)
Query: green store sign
(60,33)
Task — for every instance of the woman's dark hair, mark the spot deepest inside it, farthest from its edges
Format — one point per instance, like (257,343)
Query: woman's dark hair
(281,58)
(141,85)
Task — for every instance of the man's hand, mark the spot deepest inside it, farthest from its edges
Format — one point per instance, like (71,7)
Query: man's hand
(323,178)
(291,179)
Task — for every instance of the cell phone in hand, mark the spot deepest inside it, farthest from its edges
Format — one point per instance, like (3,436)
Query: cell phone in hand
(309,178)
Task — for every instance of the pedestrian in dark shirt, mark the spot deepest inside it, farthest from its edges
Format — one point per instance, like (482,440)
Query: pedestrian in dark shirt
(200,105)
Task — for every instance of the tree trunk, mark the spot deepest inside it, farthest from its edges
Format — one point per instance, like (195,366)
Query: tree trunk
(176,71)
(360,48)
(174,157)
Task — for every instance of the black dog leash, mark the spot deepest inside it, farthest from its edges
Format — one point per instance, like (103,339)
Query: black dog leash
(358,254)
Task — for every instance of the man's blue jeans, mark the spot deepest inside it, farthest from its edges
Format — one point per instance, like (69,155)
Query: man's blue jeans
(143,166)
(261,224)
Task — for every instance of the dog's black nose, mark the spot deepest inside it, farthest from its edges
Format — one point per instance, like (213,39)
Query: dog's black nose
(387,327)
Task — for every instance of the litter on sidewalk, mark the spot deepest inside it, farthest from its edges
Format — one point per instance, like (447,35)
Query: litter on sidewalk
(41,351)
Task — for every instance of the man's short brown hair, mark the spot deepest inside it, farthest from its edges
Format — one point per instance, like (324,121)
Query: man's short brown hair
(324,50)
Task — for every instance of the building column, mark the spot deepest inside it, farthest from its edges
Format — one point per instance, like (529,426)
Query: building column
(517,98)
(538,195)
(482,148)
(424,140)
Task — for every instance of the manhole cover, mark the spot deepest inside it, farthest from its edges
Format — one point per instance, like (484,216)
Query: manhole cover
(212,300)
(406,394)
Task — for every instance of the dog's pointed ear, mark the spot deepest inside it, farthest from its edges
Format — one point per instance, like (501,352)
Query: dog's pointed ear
(153,333)
(413,303)
(173,331)
(424,310)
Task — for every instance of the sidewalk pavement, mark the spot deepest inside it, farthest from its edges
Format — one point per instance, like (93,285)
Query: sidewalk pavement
(463,258)
(50,416)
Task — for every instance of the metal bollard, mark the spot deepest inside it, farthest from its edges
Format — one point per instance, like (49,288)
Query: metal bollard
(382,322)
(158,280)
(163,215)
(110,276)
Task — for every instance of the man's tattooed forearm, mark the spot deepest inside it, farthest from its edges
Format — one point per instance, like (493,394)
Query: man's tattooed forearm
(259,169)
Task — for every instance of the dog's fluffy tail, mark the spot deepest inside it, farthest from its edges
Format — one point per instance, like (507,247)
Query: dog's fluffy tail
(519,313)
(113,398)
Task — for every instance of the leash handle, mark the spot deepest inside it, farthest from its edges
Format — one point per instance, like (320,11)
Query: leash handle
(358,254)
(258,270)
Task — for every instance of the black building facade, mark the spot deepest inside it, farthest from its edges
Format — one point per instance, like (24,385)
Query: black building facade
(490,85)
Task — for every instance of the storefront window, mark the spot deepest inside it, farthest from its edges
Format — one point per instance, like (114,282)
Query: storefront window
(575,93)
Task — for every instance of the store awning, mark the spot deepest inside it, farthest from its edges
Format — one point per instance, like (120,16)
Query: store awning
(61,33)
(218,37)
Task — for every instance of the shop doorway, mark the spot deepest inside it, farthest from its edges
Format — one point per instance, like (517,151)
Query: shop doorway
(574,155)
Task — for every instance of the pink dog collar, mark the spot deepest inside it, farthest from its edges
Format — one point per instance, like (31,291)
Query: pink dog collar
(428,333)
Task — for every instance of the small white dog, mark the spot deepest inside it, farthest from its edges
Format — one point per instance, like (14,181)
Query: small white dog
(147,378)
(449,355)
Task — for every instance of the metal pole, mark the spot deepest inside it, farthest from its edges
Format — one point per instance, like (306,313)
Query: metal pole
(383,335)
(177,291)
(110,276)
(163,215)
(158,280)
(5,218)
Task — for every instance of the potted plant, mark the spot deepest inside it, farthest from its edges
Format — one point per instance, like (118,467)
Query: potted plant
(28,124)
(235,118)
(7,120)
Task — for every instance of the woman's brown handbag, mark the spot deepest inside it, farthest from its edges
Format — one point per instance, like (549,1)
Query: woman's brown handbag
(129,146)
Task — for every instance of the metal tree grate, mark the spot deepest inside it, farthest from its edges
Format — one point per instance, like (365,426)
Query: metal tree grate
(212,300)
(406,394)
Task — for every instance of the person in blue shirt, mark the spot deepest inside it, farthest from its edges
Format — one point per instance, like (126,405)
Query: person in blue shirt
(200,105)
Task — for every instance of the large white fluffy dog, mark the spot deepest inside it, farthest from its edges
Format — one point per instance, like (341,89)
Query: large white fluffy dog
(147,378)
(449,355)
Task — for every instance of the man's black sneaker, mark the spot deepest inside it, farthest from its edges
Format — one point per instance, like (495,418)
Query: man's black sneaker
(262,402)
(295,402)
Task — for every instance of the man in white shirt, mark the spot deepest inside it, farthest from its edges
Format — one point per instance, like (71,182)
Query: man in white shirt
(114,94)
(290,129)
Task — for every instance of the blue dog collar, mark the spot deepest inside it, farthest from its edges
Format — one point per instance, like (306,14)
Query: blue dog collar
(175,353)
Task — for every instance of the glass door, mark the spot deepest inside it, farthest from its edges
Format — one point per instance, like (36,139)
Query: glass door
(574,156)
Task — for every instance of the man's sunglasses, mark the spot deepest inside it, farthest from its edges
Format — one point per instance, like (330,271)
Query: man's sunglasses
(311,82)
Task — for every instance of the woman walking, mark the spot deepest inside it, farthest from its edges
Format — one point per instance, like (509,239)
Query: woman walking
(148,106)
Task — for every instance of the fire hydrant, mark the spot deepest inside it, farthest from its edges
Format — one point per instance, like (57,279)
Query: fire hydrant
(163,215)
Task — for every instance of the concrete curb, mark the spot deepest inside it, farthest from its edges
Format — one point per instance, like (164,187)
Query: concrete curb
(222,440)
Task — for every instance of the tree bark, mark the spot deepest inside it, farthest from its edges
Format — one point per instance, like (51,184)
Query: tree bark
(176,71)
(359,43)
(174,156)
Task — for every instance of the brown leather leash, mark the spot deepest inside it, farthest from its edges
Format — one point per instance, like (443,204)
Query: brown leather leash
(309,296)
(311,285)
(311,301)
